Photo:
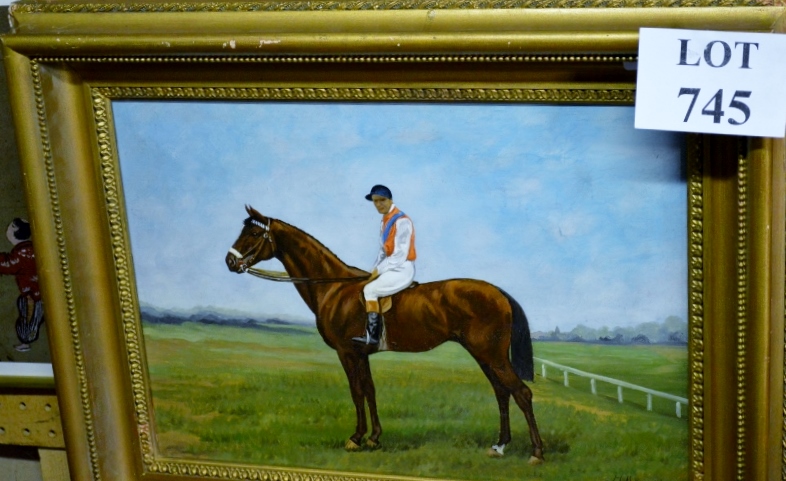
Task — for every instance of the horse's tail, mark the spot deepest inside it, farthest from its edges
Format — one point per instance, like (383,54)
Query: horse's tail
(520,342)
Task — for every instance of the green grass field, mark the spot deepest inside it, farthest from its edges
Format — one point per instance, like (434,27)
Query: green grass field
(279,397)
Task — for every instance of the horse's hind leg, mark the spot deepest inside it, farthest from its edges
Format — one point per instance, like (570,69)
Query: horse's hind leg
(503,401)
(523,398)
(522,394)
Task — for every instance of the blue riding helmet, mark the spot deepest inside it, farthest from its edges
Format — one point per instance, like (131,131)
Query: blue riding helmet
(380,190)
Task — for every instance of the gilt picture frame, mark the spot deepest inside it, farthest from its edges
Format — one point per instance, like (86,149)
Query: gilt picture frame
(69,70)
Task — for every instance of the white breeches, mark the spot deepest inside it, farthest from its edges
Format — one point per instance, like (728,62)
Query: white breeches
(390,282)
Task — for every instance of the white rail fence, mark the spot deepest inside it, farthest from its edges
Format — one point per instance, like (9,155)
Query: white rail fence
(594,378)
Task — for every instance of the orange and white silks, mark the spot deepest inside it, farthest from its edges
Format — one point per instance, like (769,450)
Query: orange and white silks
(395,262)
(389,233)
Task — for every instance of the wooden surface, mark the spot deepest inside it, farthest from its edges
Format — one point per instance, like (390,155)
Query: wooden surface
(54,465)
(30,420)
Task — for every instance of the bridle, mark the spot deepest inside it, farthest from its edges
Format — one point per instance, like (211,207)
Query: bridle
(266,237)
(279,276)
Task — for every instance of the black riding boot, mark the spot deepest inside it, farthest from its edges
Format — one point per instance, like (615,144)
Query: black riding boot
(372,330)
(28,324)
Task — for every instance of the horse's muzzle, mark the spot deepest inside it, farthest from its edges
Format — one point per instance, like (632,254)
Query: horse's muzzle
(235,264)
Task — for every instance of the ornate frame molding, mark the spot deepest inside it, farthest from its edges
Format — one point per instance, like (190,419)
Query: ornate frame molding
(62,85)
(101,101)
(359,5)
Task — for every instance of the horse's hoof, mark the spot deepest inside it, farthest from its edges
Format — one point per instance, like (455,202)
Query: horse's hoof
(496,451)
(494,454)
(352,446)
(373,445)
(534,461)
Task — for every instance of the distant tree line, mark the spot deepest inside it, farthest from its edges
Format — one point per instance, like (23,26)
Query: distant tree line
(673,330)
(200,315)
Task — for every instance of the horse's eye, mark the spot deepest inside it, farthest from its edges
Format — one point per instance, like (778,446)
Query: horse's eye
(255,234)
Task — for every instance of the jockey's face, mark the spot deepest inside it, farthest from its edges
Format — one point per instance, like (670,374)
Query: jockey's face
(9,233)
(382,204)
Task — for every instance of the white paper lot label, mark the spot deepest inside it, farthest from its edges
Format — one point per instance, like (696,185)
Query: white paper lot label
(711,82)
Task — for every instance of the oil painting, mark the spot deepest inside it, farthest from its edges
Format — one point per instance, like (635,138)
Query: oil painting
(365,287)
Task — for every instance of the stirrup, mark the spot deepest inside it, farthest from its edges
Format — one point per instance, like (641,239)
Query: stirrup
(368,339)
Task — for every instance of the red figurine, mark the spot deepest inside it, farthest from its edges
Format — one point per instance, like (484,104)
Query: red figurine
(20,262)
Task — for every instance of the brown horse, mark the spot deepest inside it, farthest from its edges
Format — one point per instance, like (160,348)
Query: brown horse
(479,316)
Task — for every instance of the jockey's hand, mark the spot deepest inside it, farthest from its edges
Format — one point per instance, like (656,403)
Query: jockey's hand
(374,275)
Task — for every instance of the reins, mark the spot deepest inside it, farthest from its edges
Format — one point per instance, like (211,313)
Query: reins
(278,276)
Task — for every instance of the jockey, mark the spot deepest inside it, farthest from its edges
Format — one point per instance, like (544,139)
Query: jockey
(394,269)
(20,263)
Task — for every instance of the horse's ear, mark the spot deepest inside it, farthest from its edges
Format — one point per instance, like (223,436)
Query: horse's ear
(253,213)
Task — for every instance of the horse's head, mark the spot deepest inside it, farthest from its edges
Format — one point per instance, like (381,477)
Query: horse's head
(254,244)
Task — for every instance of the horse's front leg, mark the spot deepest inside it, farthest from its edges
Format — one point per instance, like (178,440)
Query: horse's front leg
(353,367)
(369,391)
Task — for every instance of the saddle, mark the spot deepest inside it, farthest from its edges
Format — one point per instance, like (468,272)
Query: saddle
(386,303)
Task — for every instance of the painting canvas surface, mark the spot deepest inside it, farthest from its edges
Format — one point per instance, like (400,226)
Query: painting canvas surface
(577,215)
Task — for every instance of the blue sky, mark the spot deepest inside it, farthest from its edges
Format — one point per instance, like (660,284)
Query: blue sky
(578,215)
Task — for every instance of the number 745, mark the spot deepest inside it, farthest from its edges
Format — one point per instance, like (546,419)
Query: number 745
(717,105)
